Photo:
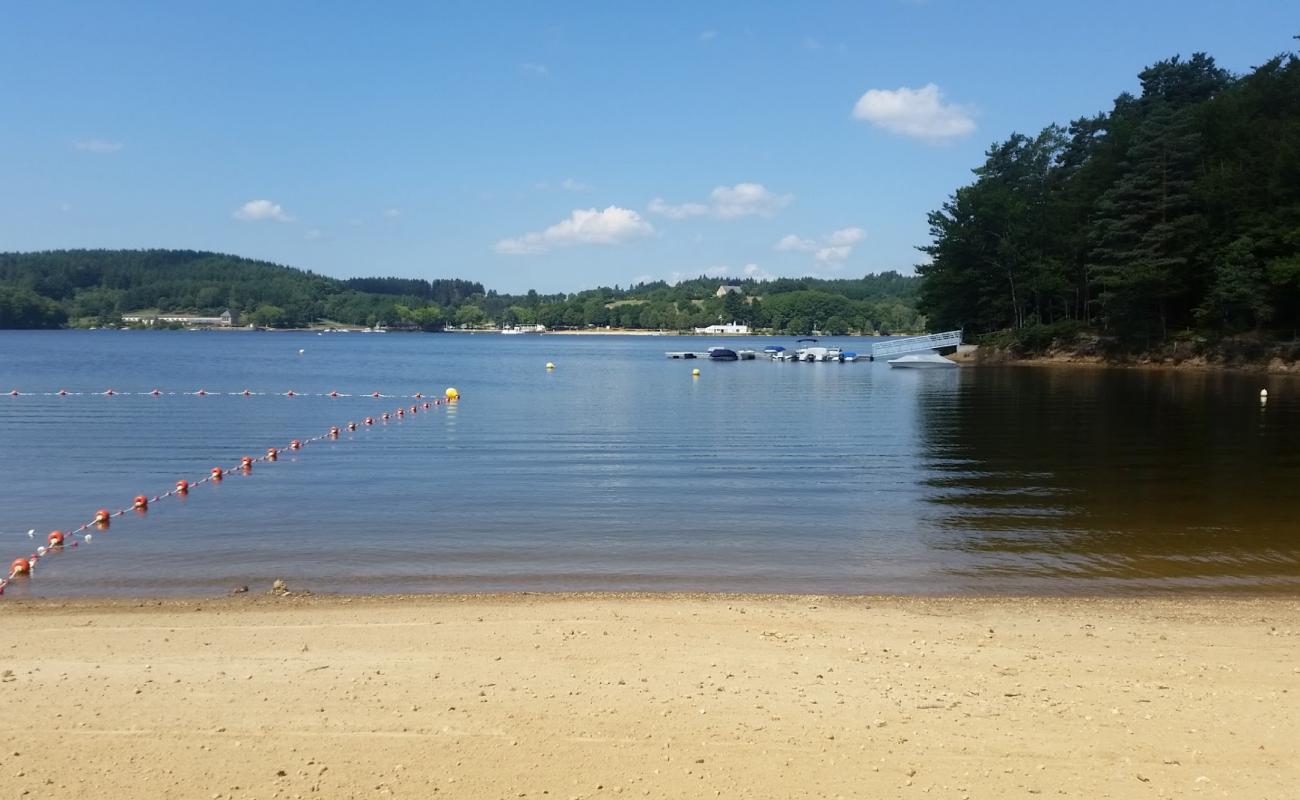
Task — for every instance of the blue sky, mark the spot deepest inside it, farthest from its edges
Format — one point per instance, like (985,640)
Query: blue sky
(555,146)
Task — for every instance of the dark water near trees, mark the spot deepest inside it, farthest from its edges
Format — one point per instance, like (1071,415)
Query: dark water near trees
(620,471)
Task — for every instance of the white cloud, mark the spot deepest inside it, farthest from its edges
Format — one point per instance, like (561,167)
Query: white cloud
(392,213)
(790,242)
(65,206)
(613,225)
(832,248)
(727,202)
(572,185)
(834,255)
(811,43)
(757,273)
(917,113)
(847,236)
(708,36)
(100,146)
(260,210)
(540,70)
(312,235)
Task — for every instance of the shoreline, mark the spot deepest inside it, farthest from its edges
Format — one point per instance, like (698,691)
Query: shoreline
(594,695)
(983,356)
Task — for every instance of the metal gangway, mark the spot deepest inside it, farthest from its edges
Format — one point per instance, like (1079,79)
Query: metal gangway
(914,344)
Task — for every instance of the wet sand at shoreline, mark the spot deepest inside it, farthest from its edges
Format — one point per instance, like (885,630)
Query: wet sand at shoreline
(559,696)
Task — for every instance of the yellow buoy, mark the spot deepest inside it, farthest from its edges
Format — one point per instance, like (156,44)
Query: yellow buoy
(550,365)
(452,394)
(695,373)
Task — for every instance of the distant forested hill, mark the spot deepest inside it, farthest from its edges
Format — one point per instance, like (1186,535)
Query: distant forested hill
(1174,214)
(96,287)
(101,285)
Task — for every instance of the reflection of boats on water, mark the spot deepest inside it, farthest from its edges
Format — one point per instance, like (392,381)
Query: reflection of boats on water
(922,361)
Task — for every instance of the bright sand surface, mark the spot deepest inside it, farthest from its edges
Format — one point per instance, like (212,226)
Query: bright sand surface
(560,696)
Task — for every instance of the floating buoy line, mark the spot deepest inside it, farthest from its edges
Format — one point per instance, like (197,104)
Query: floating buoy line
(201,392)
(58,542)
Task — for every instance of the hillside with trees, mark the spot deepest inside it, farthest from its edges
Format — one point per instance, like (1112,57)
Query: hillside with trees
(97,287)
(1174,215)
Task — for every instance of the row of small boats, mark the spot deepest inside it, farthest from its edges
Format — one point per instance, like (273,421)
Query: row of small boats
(811,351)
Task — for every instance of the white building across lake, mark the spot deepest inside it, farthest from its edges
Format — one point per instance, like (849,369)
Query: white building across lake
(227,319)
(733,329)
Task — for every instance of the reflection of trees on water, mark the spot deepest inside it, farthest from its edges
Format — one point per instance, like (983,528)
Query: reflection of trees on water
(1141,476)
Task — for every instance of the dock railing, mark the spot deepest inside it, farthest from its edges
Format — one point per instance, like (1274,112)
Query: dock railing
(913,344)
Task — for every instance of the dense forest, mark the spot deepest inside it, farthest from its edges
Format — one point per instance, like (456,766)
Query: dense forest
(97,287)
(1174,214)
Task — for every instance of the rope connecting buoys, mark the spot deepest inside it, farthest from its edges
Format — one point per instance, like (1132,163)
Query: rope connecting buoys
(203,392)
(57,540)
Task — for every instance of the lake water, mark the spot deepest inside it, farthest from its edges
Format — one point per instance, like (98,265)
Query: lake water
(619,470)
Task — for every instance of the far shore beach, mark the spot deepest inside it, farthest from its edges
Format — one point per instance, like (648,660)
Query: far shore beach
(605,695)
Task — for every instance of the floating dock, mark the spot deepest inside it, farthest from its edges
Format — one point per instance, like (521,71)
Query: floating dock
(742,355)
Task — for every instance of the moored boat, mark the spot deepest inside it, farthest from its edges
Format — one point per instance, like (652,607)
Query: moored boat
(922,361)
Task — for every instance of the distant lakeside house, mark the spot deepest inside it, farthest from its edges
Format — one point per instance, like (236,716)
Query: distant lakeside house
(227,319)
(726,289)
(733,328)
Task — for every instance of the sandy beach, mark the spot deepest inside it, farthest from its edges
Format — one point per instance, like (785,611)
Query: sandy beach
(563,696)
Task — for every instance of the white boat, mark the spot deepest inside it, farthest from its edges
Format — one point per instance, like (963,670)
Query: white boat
(922,361)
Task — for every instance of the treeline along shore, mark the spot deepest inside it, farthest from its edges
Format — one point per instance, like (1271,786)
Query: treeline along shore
(1166,228)
(96,288)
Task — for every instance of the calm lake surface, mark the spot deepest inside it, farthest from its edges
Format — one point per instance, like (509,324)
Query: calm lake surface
(620,471)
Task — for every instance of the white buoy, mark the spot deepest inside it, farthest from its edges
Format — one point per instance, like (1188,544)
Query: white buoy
(1263,394)
(31,534)
(89,537)
(301,351)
